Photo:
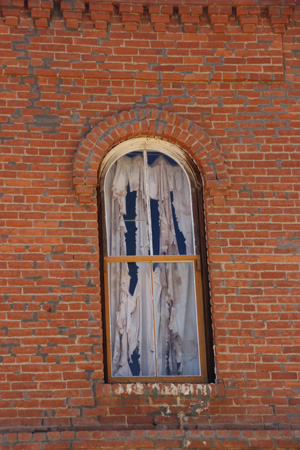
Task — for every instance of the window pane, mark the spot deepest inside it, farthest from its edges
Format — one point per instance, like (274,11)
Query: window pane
(176,329)
(148,206)
(126,207)
(131,320)
(171,213)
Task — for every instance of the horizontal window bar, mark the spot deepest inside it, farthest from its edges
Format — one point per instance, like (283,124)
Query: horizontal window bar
(154,258)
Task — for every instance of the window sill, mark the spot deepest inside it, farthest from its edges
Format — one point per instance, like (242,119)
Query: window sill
(162,389)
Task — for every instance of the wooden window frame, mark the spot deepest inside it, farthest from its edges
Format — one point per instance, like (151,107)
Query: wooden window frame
(199,260)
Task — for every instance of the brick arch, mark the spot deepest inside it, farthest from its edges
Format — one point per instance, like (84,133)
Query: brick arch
(148,123)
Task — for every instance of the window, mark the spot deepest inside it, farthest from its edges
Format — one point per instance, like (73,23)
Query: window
(154,308)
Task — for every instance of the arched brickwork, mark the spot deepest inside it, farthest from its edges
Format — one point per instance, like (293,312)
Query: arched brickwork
(148,123)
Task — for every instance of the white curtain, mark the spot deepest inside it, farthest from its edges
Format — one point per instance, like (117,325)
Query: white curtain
(159,308)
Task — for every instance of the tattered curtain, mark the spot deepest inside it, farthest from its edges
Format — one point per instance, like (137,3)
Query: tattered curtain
(153,316)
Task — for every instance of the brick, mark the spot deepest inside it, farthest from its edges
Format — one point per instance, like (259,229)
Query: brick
(218,19)
(40,13)
(104,16)
(11,21)
(244,20)
(11,12)
(18,3)
(185,18)
(130,18)
(76,5)
(160,19)
(72,24)
(219,10)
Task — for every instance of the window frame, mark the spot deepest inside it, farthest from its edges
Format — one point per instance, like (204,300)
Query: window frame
(199,259)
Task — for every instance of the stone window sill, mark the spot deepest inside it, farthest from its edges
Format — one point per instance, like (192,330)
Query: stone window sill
(162,389)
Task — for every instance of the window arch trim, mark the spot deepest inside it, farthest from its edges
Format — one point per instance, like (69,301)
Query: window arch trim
(149,122)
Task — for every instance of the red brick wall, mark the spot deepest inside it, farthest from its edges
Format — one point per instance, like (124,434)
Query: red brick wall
(221,79)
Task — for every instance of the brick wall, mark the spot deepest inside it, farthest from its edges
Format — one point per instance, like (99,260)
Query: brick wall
(221,79)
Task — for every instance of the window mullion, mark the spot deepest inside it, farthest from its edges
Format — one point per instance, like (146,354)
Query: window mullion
(154,324)
(146,180)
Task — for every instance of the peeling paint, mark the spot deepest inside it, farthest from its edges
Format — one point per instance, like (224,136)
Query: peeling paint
(139,389)
(181,417)
(130,389)
(168,389)
(119,389)
(203,389)
(167,411)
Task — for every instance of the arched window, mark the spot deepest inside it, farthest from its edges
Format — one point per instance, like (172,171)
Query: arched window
(155,314)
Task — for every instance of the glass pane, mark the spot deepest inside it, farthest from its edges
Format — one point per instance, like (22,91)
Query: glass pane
(126,207)
(127,238)
(176,329)
(131,320)
(170,205)
(148,206)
